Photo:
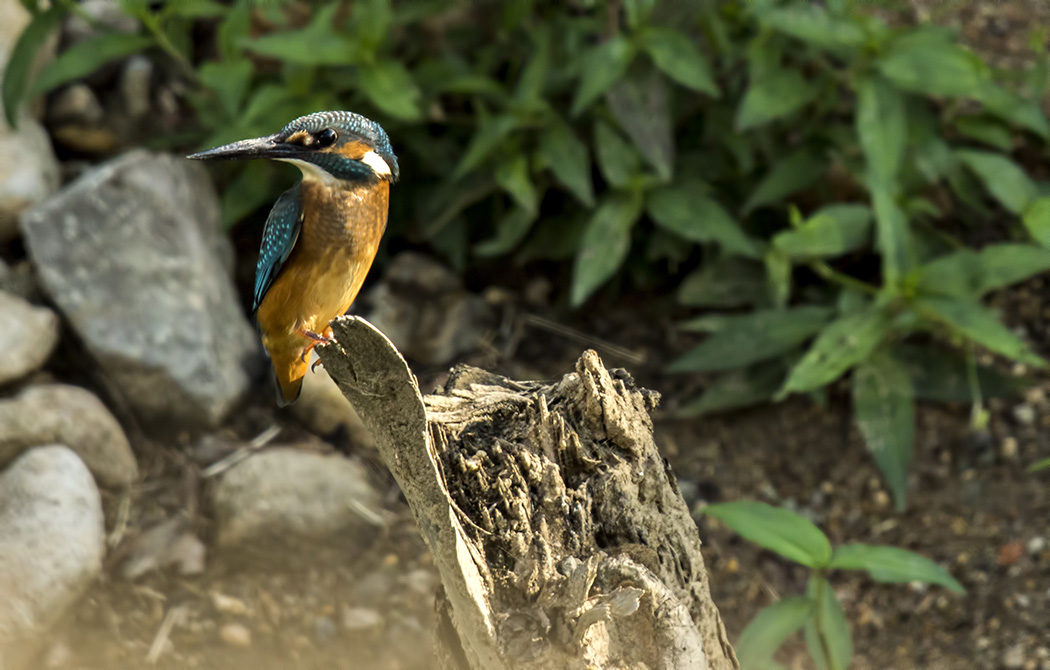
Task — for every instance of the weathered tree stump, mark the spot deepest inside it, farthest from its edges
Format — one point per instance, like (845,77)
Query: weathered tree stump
(561,537)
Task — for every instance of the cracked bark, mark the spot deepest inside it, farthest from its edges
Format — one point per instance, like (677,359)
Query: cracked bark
(558,530)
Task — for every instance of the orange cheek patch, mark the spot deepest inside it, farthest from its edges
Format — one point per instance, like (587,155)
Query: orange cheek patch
(301,137)
(354,150)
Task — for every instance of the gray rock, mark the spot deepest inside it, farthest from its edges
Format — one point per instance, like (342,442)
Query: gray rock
(76,104)
(28,335)
(52,542)
(69,415)
(425,311)
(132,254)
(281,496)
(135,85)
(28,171)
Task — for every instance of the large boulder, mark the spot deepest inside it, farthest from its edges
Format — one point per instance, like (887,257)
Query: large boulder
(281,500)
(132,253)
(52,540)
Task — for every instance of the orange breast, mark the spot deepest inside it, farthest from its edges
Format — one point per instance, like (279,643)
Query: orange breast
(340,235)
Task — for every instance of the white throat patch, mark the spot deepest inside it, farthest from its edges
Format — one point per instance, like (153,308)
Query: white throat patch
(377,163)
(316,173)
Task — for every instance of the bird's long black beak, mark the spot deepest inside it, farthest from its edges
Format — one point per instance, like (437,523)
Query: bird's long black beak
(270,146)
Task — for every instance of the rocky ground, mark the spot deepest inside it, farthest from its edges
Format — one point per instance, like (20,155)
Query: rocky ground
(157,510)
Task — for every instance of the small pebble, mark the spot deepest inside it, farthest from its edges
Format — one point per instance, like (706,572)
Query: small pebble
(1008,448)
(1014,657)
(236,635)
(1035,545)
(361,618)
(228,604)
(1025,414)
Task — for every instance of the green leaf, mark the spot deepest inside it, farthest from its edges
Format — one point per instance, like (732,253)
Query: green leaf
(1005,264)
(195,9)
(884,409)
(768,630)
(372,20)
(813,24)
(778,273)
(602,66)
(827,631)
(511,229)
(1039,465)
(777,93)
(842,344)
(726,282)
(969,319)
(389,86)
(831,231)
(489,135)
(747,338)
(956,274)
(617,160)
(679,58)
(513,177)
(1011,107)
(940,374)
(1036,218)
(736,389)
(1003,178)
(892,237)
(985,130)
(781,531)
(892,565)
(639,104)
(569,160)
(685,211)
(23,54)
(881,126)
(790,174)
(932,67)
(638,12)
(229,81)
(316,44)
(605,244)
(534,74)
(234,28)
(85,57)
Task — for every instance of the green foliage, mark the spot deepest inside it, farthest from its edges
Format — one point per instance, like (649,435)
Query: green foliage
(818,613)
(780,157)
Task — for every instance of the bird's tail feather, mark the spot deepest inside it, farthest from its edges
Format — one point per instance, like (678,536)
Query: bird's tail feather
(289,374)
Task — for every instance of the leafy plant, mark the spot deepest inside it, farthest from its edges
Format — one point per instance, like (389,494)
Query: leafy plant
(818,613)
(806,174)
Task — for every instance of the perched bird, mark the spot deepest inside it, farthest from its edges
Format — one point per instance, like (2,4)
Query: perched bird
(321,235)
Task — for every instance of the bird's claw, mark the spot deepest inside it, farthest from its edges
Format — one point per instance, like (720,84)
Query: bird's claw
(314,365)
(311,335)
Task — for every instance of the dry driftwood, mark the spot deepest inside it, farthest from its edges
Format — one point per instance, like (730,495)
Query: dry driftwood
(559,532)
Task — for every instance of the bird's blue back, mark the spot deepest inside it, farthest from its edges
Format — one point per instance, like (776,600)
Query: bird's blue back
(279,236)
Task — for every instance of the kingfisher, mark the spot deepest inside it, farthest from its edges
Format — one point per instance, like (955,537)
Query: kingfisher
(322,234)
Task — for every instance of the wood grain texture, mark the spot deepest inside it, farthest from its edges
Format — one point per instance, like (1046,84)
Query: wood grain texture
(559,532)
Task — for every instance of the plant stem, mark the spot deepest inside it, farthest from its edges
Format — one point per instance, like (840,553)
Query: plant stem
(831,274)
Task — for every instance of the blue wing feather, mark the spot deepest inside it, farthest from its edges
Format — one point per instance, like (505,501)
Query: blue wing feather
(279,236)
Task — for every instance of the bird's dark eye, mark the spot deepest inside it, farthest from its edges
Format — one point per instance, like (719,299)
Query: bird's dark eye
(326,137)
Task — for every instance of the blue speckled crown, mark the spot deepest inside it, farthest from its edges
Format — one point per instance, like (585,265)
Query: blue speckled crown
(350,124)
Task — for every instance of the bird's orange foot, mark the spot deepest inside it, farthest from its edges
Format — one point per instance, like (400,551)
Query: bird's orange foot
(311,335)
